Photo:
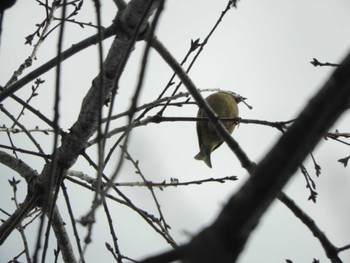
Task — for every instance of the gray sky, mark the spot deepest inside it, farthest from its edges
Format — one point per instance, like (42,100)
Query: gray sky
(262,51)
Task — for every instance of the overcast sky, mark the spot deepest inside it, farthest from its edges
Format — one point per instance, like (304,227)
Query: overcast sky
(261,50)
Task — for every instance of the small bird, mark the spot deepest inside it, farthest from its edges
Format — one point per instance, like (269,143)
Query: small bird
(224,104)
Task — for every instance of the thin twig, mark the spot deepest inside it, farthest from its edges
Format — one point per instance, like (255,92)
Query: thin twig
(149,186)
(317,63)
(37,145)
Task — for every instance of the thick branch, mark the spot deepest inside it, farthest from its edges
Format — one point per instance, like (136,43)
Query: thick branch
(86,124)
(17,165)
(228,235)
(73,143)
(62,237)
(224,240)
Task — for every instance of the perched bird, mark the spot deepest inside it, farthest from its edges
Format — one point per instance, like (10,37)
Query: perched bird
(224,104)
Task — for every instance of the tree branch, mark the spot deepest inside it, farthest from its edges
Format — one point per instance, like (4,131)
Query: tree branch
(224,240)
(85,126)
(18,165)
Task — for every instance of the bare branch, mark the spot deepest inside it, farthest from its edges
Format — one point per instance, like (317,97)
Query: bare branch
(86,125)
(17,165)
(225,238)
(317,63)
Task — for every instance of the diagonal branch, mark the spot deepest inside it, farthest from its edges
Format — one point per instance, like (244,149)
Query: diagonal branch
(217,124)
(18,165)
(329,248)
(74,142)
(224,240)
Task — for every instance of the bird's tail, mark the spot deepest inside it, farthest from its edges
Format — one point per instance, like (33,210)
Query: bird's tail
(202,156)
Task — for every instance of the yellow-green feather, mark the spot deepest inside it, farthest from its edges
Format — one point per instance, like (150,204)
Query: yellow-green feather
(224,105)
